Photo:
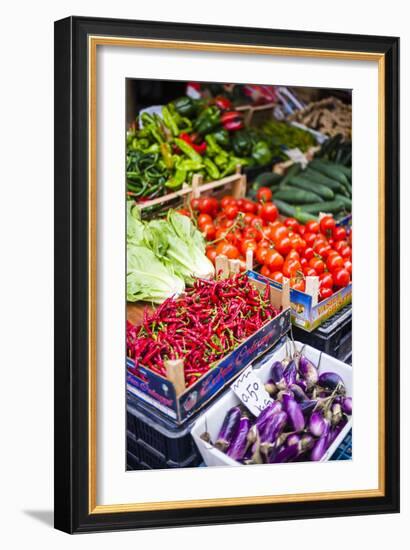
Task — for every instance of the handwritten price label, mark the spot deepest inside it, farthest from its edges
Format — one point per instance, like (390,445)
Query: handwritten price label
(251,392)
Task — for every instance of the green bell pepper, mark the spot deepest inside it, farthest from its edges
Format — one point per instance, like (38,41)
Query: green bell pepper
(261,153)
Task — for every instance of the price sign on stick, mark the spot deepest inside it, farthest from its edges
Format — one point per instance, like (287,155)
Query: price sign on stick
(251,391)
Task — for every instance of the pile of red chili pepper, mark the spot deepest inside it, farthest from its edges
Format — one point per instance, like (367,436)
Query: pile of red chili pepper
(201,327)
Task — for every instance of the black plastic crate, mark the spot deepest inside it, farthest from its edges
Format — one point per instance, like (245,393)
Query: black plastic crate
(155,443)
(333,337)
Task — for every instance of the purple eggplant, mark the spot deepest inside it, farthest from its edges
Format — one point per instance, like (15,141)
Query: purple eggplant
(298,393)
(331,381)
(307,407)
(337,414)
(347,405)
(270,387)
(239,443)
(302,385)
(294,412)
(308,371)
(317,424)
(272,432)
(276,372)
(284,454)
(229,429)
(265,416)
(306,443)
(290,372)
(321,445)
(335,430)
(293,439)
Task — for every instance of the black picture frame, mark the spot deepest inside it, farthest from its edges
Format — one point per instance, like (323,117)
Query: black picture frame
(71,419)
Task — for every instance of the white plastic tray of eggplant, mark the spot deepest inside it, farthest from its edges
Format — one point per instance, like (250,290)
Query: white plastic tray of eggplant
(308,418)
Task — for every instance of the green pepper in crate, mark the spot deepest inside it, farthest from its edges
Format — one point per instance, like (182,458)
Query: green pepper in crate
(221,137)
(208,120)
(213,148)
(185,106)
(177,179)
(188,150)
(170,122)
(242,144)
(211,168)
(261,153)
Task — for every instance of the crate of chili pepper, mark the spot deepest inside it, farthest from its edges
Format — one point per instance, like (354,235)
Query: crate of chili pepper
(186,351)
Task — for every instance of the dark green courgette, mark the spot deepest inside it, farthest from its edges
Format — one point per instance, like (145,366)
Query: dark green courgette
(304,217)
(329,169)
(345,200)
(328,207)
(292,171)
(285,209)
(294,195)
(308,185)
(266,179)
(318,177)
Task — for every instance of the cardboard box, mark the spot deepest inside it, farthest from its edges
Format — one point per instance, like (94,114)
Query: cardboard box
(307,314)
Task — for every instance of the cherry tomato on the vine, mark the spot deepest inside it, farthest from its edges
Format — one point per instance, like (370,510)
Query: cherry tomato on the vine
(264,194)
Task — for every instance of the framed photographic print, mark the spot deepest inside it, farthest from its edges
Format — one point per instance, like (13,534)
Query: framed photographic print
(226,274)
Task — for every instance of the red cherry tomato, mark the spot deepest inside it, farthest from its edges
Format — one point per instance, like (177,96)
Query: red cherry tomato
(291,223)
(265,271)
(274,260)
(339,233)
(325,292)
(204,219)
(194,204)
(293,255)
(248,206)
(269,212)
(309,238)
(291,267)
(228,250)
(334,262)
(347,264)
(309,272)
(257,222)
(339,245)
(327,224)
(346,253)
(264,194)
(260,253)
(326,279)
(211,253)
(341,277)
(303,262)
(227,201)
(277,276)
(249,216)
(278,232)
(283,246)
(248,244)
(209,231)
(301,230)
(298,243)
(317,264)
(231,211)
(309,253)
(312,227)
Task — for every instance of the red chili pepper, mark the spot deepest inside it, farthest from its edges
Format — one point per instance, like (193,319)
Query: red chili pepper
(232,120)
(199,148)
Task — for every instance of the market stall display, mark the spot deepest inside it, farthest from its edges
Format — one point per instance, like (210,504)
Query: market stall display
(306,420)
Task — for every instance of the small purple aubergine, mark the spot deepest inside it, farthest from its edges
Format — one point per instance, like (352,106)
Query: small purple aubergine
(293,439)
(294,412)
(307,407)
(276,372)
(331,381)
(306,443)
(284,454)
(265,416)
(272,431)
(270,387)
(308,371)
(337,414)
(317,424)
(321,445)
(347,405)
(298,393)
(290,373)
(229,429)
(282,393)
(302,384)
(238,445)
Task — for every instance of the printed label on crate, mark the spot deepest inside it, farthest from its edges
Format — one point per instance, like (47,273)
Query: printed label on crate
(251,391)
(297,156)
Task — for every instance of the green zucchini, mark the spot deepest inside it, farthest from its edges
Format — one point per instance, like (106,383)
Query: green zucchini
(292,171)
(328,207)
(318,177)
(266,179)
(285,209)
(329,169)
(294,195)
(345,200)
(347,171)
(308,185)
(304,217)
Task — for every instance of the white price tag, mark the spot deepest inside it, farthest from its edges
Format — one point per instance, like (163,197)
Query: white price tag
(297,156)
(251,392)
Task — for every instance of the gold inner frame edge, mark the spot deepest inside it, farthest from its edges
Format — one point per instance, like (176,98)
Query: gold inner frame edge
(93,42)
